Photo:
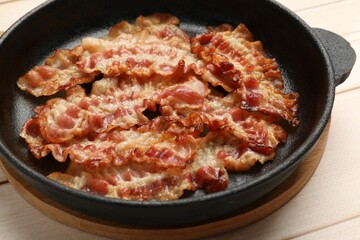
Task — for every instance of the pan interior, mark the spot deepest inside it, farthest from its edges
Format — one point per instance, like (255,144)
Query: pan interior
(284,38)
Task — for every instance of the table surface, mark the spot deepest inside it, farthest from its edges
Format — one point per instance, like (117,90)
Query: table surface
(328,207)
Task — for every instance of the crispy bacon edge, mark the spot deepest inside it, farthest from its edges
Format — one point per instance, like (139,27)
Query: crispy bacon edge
(238,64)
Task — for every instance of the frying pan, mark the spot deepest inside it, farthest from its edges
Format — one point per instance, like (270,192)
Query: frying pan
(313,63)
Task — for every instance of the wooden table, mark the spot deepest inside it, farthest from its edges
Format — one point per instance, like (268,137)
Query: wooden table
(328,207)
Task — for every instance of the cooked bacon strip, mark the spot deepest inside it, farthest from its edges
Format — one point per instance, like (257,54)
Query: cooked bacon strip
(136,87)
(37,144)
(145,181)
(238,64)
(142,182)
(61,120)
(156,145)
(134,57)
(255,130)
(156,27)
(190,95)
(130,182)
(152,45)
(236,155)
(59,72)
(162,149)
(235,136)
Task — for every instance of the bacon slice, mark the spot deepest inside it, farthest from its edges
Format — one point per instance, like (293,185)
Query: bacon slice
(236,154)
(61,120)
(152,45)
(132,58)
(238,64)
(144,181)
(254,131)
(157,26)
(37,144)
(162,149)
(141,182)
(142,55)
(130,182)
(60,72)
(151,143)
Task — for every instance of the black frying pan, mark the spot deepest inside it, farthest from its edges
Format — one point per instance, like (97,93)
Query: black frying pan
(313,62)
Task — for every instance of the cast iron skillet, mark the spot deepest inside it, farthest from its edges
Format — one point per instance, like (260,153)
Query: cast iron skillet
(313,62)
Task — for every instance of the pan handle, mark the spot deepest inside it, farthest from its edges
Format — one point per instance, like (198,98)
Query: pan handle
(342,55)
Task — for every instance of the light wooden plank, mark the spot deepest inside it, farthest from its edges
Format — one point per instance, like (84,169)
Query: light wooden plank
(344,230)
(331,195)
(8,1)
(341,18)
(10,12)
(19,220)
(352,37)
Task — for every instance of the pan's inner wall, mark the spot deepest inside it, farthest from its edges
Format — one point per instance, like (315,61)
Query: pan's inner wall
(64,23)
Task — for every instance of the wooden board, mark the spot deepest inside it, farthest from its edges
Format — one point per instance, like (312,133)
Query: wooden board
(258,210)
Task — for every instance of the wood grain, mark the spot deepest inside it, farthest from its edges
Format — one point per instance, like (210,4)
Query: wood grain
(327,17)
(340,230)
(21,221)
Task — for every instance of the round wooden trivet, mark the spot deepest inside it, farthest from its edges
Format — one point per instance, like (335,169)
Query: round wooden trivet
(257,211)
